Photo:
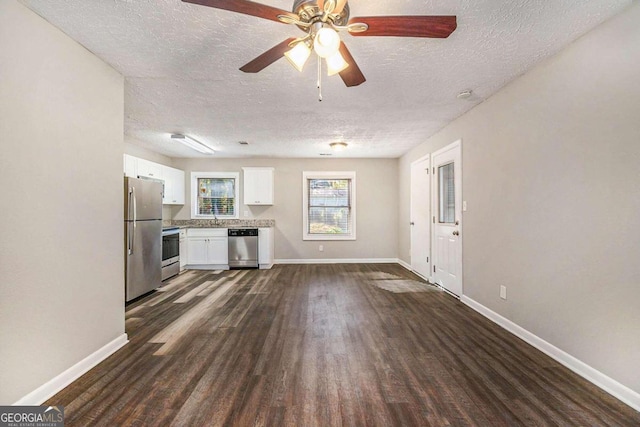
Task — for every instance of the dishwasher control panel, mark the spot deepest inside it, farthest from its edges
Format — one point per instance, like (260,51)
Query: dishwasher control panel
(243,232)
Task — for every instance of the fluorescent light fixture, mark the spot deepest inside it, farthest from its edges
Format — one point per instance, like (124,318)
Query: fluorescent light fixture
(335,64)
(338,146)
(298,55)
(192,143)
(327,42)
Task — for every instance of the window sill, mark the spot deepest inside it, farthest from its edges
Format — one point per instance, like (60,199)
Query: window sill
(213,217)
(327,237)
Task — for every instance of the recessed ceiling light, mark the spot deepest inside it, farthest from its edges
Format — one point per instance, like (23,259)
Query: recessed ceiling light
(338,146)
(465,94)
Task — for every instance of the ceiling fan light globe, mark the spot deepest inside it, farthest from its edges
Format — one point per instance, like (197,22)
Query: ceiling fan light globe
(336,64)
(298,56)
(326,43)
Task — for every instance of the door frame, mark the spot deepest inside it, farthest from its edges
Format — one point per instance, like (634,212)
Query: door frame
(412,219)
(434,208)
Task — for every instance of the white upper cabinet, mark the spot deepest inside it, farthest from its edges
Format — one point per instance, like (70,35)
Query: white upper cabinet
(130,166)
(173,186)
(258,186)
(174,190)
(149,169)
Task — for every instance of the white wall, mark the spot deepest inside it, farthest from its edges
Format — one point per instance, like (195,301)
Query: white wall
(132,149)
(552,180)
(376,207)
(61,124)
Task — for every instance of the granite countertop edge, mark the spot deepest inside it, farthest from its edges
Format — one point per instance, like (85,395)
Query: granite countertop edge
(221,223)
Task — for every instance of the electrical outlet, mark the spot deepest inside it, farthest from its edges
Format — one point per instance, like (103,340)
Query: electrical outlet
(503,292)
(321,248)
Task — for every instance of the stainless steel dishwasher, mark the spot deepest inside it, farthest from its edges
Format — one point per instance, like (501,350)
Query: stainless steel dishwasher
(243,248)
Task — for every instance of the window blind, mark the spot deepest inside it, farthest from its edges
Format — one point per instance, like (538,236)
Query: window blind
(216,196)
(329,206)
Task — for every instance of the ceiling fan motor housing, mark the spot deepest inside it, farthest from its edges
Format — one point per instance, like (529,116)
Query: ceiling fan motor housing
(308,11)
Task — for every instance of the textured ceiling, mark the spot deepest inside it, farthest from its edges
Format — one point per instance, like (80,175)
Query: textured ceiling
(181,66)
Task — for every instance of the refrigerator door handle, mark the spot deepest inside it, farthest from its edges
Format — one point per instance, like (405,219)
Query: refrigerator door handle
(135,208)
(135,218)
(129,231)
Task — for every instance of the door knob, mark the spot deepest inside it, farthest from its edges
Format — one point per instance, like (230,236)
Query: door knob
(456,233)
(411,223)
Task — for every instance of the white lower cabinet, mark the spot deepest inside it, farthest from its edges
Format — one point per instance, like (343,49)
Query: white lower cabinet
(207,246)
(184,253)
(265,248)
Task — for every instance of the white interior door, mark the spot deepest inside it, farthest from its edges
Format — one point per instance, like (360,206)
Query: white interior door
(447,218)
(420,215)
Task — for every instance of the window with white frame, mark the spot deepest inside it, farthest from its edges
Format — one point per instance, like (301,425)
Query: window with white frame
(329,205)
(214,195)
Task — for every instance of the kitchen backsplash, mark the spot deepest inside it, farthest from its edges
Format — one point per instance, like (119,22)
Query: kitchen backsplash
(220,223)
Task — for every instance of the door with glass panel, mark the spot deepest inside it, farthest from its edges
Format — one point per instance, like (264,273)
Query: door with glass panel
(447,218)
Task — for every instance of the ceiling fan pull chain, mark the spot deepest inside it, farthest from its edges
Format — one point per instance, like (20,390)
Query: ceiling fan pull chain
(319,79)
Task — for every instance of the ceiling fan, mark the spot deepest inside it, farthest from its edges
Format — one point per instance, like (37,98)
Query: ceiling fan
(321,20)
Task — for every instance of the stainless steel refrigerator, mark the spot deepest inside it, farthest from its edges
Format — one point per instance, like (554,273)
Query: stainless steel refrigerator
(143,236)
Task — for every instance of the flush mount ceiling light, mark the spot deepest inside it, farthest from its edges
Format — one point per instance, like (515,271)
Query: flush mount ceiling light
(192,143)
(321,20)
(338,146)
(465,94)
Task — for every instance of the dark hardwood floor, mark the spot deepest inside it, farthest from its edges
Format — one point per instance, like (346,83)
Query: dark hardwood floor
(325,345)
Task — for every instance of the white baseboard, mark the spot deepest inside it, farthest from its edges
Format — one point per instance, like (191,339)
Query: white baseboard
(405,264)
(50,388)
(338,261)
(608,384)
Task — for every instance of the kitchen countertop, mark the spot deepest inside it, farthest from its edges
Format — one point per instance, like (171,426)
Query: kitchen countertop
(221,223)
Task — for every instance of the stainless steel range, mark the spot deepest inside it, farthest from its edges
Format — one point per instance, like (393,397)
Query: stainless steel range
(170,252)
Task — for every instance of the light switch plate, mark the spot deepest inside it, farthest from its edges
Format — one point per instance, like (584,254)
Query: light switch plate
(503,292)
(464,205)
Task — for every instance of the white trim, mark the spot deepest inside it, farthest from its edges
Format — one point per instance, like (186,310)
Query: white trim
(606,383)
(53,386)
(455,144)
(306,175)
(407,266)
(338,261)
(194,193)
(404,264)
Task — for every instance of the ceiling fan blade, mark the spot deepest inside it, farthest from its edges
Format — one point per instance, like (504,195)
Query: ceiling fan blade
(407,26)
(339,6)
(245,7)
(267,58)
(351,76)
